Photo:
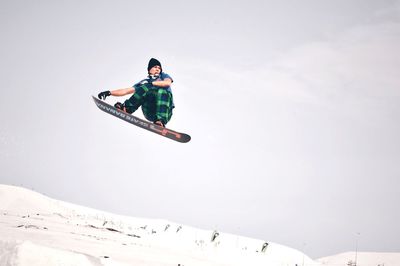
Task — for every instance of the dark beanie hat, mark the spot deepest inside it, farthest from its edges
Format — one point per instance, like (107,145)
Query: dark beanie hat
(153,62)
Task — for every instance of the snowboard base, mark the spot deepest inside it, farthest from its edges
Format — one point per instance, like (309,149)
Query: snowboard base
(162,131)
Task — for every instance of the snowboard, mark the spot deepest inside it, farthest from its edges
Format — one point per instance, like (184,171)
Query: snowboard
(162,131)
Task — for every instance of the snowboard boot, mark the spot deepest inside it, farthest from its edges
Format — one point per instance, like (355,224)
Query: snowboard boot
(120,106)
(159,123)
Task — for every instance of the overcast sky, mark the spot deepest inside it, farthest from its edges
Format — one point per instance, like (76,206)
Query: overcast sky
(293,108)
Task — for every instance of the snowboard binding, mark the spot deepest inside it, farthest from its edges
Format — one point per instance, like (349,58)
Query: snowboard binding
(120,106)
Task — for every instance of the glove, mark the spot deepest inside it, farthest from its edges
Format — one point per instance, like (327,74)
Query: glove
(103,95)
(146,81)
(154,77)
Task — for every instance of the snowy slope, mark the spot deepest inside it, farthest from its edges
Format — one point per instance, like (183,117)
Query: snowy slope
(363,259)
(37,230)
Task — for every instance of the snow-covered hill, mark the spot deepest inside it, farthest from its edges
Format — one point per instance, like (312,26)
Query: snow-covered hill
(362,259)
(37,230)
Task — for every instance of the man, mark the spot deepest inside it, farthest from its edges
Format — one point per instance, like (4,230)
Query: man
(153,94)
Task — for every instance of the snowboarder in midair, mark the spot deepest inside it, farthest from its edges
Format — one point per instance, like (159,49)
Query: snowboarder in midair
(153,94)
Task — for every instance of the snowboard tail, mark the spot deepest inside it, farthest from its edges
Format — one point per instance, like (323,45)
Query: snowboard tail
(165,132)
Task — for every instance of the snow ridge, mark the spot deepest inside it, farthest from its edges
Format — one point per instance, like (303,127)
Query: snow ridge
(38,230)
